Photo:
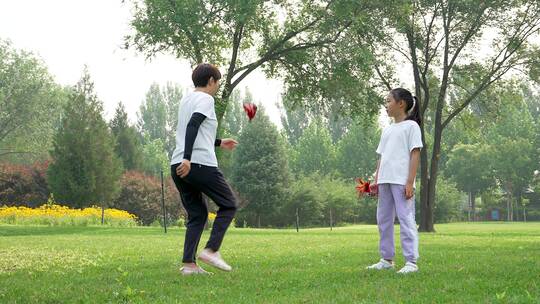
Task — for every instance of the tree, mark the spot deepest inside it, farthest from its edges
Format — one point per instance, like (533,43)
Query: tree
(260,169)
(155,157)
(84,168)
(513,153)
(294,123)
(439,40)
(127,143)
(356,156)
(30,104)
(243,36)
(471,170)
(314,151)
(232,125)
(158,114)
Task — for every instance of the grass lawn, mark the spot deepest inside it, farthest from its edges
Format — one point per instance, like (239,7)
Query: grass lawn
(461,263)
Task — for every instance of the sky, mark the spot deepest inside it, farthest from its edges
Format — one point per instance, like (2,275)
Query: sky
(68,34)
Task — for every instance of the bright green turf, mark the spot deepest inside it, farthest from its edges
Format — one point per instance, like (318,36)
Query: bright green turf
(461,263)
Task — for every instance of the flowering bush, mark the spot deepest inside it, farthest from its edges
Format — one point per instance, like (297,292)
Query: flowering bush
(52,214)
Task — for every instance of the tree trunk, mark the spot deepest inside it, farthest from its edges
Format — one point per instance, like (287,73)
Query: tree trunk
(473,206)
(469,206)
(258,220)
(509,207)
(102,214)
(221,106)
(425,207)
(426,223)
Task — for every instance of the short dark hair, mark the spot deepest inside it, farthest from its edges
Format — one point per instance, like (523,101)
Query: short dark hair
(202,73)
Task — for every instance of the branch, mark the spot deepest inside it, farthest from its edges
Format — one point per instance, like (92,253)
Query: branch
(274,55)
(470,33)
(237,37)
(498,67)
(196,48)
(383,79)
(283,40)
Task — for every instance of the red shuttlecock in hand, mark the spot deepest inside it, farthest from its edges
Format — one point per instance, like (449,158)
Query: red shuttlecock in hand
(365,188)
(250,109)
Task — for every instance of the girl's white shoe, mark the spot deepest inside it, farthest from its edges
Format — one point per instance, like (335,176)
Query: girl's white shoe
(381,265)
(408,268)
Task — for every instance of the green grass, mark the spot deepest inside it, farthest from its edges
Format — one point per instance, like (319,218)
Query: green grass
(461,263)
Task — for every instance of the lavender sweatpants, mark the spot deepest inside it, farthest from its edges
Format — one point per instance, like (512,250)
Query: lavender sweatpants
(391,201)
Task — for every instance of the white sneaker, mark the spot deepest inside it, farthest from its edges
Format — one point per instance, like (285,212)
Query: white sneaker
(408,268)
(381,265)
(214,259)
(192,270)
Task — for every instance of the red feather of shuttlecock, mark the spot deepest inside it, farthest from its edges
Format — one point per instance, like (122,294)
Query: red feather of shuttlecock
(250,109)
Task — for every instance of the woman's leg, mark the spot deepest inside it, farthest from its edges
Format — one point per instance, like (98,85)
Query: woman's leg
(195,206)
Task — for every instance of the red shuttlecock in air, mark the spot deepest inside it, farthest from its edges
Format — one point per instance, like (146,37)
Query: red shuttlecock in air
(250,109)
(365,188)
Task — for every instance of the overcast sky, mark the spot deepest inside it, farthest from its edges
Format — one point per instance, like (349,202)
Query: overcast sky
(67,34)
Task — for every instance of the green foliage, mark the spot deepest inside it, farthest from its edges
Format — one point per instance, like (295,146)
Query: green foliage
(320,200)
(471,168)
(291,39)
(232,124)
(30,105)
(158,115)
(155,157)
(84,168)
(314,151)
(356,156)
(449,203)
(260,170)
(513,153)
(127,141)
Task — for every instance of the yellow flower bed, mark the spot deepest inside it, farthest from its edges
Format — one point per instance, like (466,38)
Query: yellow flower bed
(57,215)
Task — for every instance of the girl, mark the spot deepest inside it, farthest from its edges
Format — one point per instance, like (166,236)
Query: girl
(399,151)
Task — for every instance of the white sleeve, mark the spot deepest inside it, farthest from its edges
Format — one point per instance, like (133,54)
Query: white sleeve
(415,137)
(205,106)
(380,146)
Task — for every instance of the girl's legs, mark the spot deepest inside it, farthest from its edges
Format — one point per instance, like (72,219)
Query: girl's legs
(408,231)
(385,221)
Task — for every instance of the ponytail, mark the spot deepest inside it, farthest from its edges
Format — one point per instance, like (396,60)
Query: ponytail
(414,113)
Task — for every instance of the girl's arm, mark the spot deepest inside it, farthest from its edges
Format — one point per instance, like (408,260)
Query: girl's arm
(377,171)
(373,187)
(415,158)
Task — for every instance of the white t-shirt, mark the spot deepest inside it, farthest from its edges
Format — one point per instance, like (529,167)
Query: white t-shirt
(204,152)
(397,142)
